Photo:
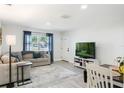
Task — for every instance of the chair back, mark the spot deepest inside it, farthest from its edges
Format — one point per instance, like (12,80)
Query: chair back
(98,76)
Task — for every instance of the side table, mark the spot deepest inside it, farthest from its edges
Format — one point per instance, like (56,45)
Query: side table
(22,66)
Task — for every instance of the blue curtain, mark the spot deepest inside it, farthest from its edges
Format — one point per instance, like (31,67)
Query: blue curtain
(50,36)
(26,40)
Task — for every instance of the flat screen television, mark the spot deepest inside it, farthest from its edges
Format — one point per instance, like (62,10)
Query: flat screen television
(85,49)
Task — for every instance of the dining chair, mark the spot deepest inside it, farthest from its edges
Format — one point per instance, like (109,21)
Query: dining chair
(98,77)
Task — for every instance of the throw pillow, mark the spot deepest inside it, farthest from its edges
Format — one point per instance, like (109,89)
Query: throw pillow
(5,59)
(28,56)
(36,55)
(42,54)
(45,55)
(16,56)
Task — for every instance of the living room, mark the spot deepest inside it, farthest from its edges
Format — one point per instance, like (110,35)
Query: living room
(62,26)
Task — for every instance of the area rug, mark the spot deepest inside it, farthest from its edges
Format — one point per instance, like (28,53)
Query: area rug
(46,76)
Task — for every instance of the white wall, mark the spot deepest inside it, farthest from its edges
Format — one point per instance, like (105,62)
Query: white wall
(14,29)
(109,42)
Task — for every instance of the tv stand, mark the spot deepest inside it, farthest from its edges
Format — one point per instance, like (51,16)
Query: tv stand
(81,62)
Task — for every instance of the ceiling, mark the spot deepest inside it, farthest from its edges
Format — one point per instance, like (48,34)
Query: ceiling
(64,17)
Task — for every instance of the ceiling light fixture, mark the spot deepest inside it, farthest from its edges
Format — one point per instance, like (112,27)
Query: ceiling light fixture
(83,7)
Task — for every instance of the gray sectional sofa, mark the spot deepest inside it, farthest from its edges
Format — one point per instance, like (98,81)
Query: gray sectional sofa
(4,71)
(36,58)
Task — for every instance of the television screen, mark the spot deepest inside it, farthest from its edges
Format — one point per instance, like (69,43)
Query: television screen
(85,49)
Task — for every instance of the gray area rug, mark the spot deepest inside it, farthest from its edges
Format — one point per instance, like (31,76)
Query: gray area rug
(53,76)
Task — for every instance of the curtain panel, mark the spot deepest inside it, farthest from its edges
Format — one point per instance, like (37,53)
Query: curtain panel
(50,36)
(26,40)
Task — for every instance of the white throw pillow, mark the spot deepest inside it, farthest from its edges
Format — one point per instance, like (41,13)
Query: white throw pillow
(5,59)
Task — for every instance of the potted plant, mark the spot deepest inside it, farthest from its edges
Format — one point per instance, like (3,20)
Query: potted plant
(120,60)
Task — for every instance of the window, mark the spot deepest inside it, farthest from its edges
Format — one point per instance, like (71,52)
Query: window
(35,42)
(39,42)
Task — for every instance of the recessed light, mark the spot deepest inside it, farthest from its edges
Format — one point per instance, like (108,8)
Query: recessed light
(48,23)
(84,7)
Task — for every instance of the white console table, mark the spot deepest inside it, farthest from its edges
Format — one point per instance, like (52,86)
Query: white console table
(81,62)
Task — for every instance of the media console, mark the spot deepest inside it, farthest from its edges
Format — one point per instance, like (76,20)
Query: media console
(81,62)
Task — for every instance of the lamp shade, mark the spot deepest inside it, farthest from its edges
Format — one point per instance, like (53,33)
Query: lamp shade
(11,39)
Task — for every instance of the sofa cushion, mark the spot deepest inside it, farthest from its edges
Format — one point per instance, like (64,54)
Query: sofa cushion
(42,59)
(5,59)
(28,56)
(31,60)
(37,60)
(1,62)
(42,53)
(46,55)
(36,55)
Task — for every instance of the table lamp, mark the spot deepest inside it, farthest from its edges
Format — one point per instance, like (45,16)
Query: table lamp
(10,40)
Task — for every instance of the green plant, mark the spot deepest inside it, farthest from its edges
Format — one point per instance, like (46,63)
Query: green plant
(120,60)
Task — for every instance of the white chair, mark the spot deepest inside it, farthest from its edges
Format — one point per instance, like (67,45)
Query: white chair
(98,76)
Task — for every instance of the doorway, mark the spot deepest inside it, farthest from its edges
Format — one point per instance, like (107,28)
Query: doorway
(65,49)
